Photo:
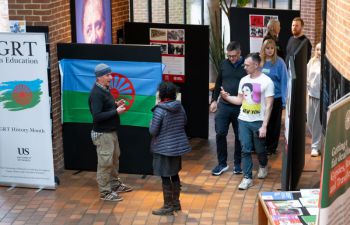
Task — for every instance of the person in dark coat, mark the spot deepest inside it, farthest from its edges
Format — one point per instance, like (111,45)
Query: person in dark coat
(169,142)
(273,30)
(295,40)
(105,113)
(231,72)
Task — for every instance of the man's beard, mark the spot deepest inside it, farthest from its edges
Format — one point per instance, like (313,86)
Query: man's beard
(296,32)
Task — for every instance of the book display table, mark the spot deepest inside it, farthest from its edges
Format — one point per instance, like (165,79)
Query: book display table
(295,207)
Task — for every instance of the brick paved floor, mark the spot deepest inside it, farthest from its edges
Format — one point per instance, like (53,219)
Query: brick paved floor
(205,199)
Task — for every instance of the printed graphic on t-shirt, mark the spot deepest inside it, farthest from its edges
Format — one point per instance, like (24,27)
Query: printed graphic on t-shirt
(251,98)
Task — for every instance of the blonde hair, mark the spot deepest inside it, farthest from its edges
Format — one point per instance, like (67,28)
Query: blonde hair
(262,51)
(314,57)
(272,27)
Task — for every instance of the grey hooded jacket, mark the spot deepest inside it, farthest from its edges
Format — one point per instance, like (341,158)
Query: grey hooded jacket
(168,129)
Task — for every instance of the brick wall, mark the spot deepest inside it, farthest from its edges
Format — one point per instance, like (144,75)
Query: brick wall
(311,14)
(120,14)
(338,35)
(56,15)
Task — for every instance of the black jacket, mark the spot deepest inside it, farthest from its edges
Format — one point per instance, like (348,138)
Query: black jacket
(229,77)
(168,129)
(104,110)
(293,44)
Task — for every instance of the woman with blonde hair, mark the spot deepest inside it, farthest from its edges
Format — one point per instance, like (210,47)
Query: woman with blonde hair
(313,89)
(274,67)
(273,30)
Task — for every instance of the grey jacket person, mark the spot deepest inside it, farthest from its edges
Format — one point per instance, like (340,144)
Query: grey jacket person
(168,129)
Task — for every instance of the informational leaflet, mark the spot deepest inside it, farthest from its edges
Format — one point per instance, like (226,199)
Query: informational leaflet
(172,43)
(286,220)
(283,204)
(276,195)
(257,30)
(290,207)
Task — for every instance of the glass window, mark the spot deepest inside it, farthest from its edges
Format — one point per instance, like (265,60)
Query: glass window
(140,11)
(281,4)
(176,11)
(158,11)
(296,4)
(263,4)
(194,8)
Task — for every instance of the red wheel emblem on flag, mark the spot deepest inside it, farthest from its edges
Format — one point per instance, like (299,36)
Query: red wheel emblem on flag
(122,88)
(22,94)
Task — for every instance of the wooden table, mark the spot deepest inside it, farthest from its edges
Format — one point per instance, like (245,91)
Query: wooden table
(264,216)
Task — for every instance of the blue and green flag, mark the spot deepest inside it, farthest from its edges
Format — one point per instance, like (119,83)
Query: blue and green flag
(135,82)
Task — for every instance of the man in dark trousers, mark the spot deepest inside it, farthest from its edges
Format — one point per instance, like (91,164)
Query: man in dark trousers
(105,114)
(231,72)
(296,39)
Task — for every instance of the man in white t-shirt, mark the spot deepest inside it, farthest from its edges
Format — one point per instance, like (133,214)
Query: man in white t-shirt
(255,93)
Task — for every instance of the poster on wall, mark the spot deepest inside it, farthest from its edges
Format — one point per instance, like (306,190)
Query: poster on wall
(172,42)
(257,30)
(335,177)
(4,16)
(18,26)
(26,157)
(93,21)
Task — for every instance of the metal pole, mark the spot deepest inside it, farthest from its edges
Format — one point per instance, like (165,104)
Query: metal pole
(131,11)
(150,11)
(202,12)
(185,11)
(166,11)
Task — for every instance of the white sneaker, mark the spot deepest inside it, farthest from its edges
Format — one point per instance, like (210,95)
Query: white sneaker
(245,184)
(315,152)
(262,172)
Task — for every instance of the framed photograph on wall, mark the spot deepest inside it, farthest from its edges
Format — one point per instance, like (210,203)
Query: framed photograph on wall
(91,22)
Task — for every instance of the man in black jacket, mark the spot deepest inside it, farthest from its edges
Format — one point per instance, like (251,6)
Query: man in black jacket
(296,39)
(105,114)
(231,72)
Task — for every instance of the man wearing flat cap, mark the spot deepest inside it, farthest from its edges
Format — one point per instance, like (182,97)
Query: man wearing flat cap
(105,114)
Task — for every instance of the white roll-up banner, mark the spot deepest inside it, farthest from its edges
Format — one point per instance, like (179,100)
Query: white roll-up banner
(26,157)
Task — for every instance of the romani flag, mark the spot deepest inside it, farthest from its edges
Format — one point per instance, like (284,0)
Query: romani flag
(135,82)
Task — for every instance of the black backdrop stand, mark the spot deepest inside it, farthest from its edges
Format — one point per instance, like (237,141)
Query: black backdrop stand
(294,155)
(194,92)
(134,142)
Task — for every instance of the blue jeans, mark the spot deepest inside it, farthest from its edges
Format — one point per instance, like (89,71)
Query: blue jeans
(249,137)
(227,114)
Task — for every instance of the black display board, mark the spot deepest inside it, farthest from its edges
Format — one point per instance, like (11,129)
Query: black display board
(79,152)
(239,21)
(194,92)
(294,153)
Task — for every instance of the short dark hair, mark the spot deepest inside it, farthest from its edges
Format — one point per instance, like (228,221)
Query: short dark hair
(255,57)
(167,90)
(249,85)
(300,20)
(233,45)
